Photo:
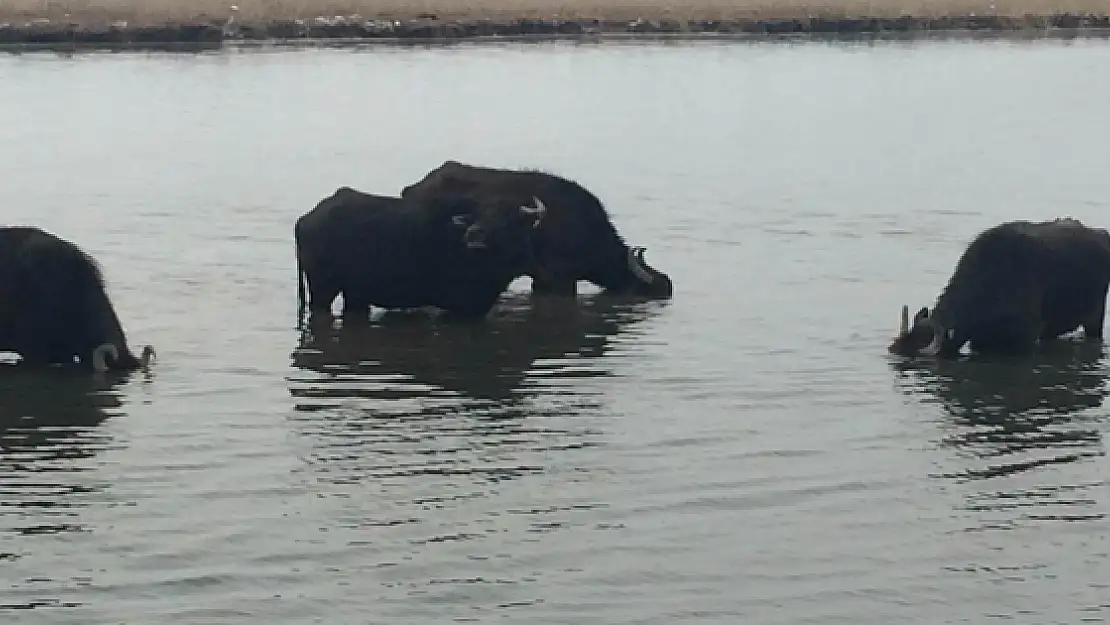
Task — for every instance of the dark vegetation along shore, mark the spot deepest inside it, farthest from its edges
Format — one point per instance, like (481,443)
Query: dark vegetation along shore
(428,27)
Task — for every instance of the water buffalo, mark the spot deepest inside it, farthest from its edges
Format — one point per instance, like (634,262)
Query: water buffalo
(577,240)
(54,307)
(1016,284)
(455,254)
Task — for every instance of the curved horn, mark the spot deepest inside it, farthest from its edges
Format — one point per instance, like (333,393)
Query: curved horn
(635,267)
(904,328)
(538,211)
(100,353)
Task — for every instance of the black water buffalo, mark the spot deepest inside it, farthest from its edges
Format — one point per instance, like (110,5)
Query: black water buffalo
(455,254)
(577,240)
(54,307)
(1016,284)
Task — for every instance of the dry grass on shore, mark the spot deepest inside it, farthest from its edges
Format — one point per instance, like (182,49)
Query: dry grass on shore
(151,12)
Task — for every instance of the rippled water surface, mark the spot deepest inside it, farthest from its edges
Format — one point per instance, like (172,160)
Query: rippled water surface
(745,453)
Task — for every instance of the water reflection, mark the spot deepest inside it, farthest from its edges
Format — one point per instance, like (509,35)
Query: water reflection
(412,356)
(437,405)
(1005,406)
(49,423)
(1010,420)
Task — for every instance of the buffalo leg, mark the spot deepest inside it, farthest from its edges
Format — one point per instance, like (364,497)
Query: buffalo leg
(550,277)
(321,294)
(1092,325)
(462,315)
(470,308)
(354,307)
(46,335)
(567,288)
(1007,336)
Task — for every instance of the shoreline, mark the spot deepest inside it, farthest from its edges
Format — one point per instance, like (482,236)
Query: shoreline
(214,34)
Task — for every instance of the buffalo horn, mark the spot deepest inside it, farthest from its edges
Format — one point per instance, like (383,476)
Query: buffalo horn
(99,354)
(538,211)
(634,265)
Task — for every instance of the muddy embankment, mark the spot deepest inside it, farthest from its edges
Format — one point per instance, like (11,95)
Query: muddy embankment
(214,33)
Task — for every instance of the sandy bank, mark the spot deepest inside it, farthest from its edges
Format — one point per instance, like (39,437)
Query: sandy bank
(123,22)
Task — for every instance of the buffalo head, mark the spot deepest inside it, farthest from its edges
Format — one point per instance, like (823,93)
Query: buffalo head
(924,338)
(492,227)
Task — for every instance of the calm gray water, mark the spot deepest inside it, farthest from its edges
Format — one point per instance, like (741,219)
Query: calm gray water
(746,453)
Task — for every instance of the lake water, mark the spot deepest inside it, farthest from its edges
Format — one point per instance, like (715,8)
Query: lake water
(745,453)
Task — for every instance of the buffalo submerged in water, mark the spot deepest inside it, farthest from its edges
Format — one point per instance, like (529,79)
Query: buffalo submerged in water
(54,307)
(577,239)
(454,254)
(1016,284)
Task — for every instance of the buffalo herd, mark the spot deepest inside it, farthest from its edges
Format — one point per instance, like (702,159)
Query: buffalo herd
(456,239)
